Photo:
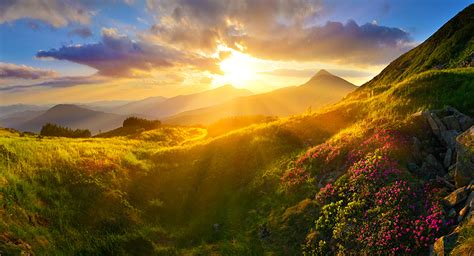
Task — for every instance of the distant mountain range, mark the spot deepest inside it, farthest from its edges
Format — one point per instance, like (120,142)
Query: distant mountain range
(322,89)
(72,116)
(158,107)
(199,108)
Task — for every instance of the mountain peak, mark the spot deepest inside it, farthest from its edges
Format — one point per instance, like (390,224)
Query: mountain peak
(323,72)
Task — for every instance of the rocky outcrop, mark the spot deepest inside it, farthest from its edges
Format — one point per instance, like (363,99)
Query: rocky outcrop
(465,158)
(460,206)
(449,156)
(454,135)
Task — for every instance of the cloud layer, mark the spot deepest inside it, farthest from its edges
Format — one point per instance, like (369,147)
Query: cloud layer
(13,71)
(276,30)
(58,13)
(118,55)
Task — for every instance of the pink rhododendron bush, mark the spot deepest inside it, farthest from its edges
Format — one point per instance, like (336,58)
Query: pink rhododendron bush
(376,206)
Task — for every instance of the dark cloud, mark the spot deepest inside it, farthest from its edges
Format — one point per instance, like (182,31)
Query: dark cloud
(13,71)
(83,32)
(118,55)
(277,30)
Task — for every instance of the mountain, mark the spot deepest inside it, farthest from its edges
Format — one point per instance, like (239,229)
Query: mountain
(139,106)
(74,117)
(452,46)
(322,89)
(105,106)
(17,118)
(157,107)
(8,110)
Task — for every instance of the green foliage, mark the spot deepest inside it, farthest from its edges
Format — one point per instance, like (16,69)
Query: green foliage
(59,131)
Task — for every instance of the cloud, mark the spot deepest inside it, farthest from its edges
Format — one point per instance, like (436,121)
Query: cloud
(13,71)
(83,32)
(60,82)
(118,55)
(58,13)
(349,43)
(274,30)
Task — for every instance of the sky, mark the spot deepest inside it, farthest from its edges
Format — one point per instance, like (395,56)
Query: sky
(54,51)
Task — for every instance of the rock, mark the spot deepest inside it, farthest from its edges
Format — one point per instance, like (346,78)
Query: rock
(464,172)
(452,213)
(448,138)
(432,162)
(436,125)
(456,197)
(412,167)
(470,200)
(216,227)
(416,149)
(464,121)
(448,158)
(444,245)
(463,212)
(451,123)
(263,232)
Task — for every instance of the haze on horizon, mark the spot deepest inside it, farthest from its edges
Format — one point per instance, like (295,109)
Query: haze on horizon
(55,51)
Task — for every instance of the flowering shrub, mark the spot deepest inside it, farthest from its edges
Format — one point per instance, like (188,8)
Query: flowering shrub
(339,154)
(376,209)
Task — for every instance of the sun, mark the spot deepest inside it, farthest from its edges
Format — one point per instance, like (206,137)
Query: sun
(238,69)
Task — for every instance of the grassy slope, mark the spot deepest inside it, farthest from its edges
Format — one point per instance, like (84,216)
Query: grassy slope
(121,191)
(447,48)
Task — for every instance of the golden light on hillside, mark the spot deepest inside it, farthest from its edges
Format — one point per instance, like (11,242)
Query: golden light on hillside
(238,69)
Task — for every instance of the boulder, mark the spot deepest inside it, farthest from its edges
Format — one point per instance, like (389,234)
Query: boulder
(444,245)
(448,158)
(416,149)
(432,163)
(464,121)
(451,123)
(463,212)
(456,197)
(464,172)
(435,123)
(448,138)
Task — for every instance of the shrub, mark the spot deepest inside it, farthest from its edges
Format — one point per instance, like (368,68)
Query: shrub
(376,208)
(59,131)
(137,122)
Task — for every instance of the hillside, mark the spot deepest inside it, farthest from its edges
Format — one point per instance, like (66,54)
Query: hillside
(73,117)
(450,47)
(322,89)
(155,108)
(383,174)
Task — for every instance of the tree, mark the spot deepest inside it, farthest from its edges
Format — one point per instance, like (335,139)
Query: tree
(59,131)
(141,123)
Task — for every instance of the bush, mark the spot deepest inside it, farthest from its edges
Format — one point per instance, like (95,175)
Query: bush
(59,131)
(141,123)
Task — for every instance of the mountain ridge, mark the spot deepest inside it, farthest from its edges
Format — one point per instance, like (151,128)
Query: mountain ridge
(321,89)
